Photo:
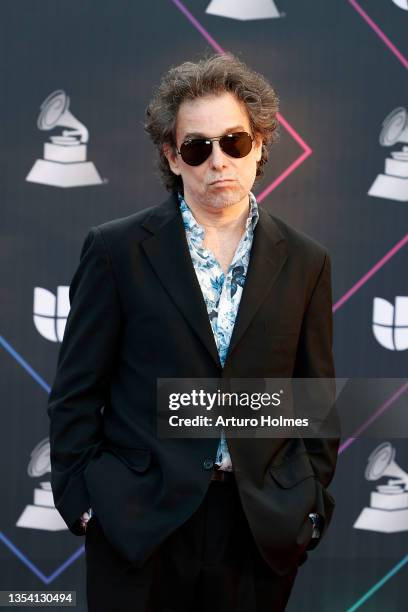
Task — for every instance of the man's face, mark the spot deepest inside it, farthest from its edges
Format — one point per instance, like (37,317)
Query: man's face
(221,180)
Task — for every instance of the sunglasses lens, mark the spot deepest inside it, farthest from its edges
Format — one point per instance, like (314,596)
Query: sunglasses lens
(195,152)
(236,145)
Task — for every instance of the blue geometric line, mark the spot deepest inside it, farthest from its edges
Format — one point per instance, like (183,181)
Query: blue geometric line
(25,365)
(378,585)
(67,563)
(45,579)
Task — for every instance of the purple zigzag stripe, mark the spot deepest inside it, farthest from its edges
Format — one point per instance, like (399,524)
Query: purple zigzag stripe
(376,415)
(371,272)
(380,33)
(198,26)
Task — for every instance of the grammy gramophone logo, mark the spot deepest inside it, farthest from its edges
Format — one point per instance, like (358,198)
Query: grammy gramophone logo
(64,163)
(388,510)
(41,514)
(244,10)
(393,183)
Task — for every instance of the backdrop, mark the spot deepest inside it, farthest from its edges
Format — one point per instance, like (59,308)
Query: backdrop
(76,76)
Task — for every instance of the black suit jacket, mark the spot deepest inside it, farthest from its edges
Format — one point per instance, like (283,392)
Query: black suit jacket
(138,314)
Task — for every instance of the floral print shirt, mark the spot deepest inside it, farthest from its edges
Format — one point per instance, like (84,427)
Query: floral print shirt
(222,292)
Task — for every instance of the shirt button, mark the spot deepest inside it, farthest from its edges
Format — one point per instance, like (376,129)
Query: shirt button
(208,464)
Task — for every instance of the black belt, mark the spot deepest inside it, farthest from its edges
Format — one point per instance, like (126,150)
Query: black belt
(223,476)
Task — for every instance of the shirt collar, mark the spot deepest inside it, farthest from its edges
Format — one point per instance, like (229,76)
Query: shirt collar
(190,222)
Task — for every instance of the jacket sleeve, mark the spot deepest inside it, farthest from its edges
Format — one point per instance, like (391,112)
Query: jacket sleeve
(81,385)
(314,359)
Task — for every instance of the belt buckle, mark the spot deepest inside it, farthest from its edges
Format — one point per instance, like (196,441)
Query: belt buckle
(221,475)
(217,474)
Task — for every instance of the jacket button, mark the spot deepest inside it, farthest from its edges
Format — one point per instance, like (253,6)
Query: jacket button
(208,464)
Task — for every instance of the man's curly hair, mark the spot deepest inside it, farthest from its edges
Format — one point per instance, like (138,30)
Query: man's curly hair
(212,75)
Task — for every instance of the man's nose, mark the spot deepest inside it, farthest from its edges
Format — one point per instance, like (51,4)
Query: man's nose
(218,158)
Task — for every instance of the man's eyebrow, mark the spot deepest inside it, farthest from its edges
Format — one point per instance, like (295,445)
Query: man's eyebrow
(234,128)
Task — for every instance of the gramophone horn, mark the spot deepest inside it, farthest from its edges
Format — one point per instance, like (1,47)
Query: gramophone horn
(54,112)
(395,127)
(381,463)
(40,462)
(379,460)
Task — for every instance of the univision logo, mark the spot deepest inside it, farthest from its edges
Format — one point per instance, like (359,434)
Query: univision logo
(51,312)
(390,323)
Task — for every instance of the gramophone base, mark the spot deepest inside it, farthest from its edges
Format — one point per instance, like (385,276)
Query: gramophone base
(79,174)
(390,188)
(384,521)
(244,11)
(40,517)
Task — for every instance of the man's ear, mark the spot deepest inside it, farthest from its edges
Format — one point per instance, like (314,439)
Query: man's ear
(172,158)
(258,147)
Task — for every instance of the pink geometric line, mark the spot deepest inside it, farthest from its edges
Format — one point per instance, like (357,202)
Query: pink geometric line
(373,417)
(306,152)
(294,134)
(380,33)
(370,273)
(306,149)
(198,26)
(284,174)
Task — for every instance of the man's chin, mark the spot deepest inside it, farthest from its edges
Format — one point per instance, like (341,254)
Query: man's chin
(229,197)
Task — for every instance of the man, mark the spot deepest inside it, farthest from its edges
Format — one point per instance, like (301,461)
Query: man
(206,285)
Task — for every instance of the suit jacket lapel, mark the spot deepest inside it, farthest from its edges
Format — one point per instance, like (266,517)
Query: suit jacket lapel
(268,255)
(168,252)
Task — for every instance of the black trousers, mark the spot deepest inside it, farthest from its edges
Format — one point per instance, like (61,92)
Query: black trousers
(209,564)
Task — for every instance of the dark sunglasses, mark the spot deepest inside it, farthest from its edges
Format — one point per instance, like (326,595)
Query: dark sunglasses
(195,151)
